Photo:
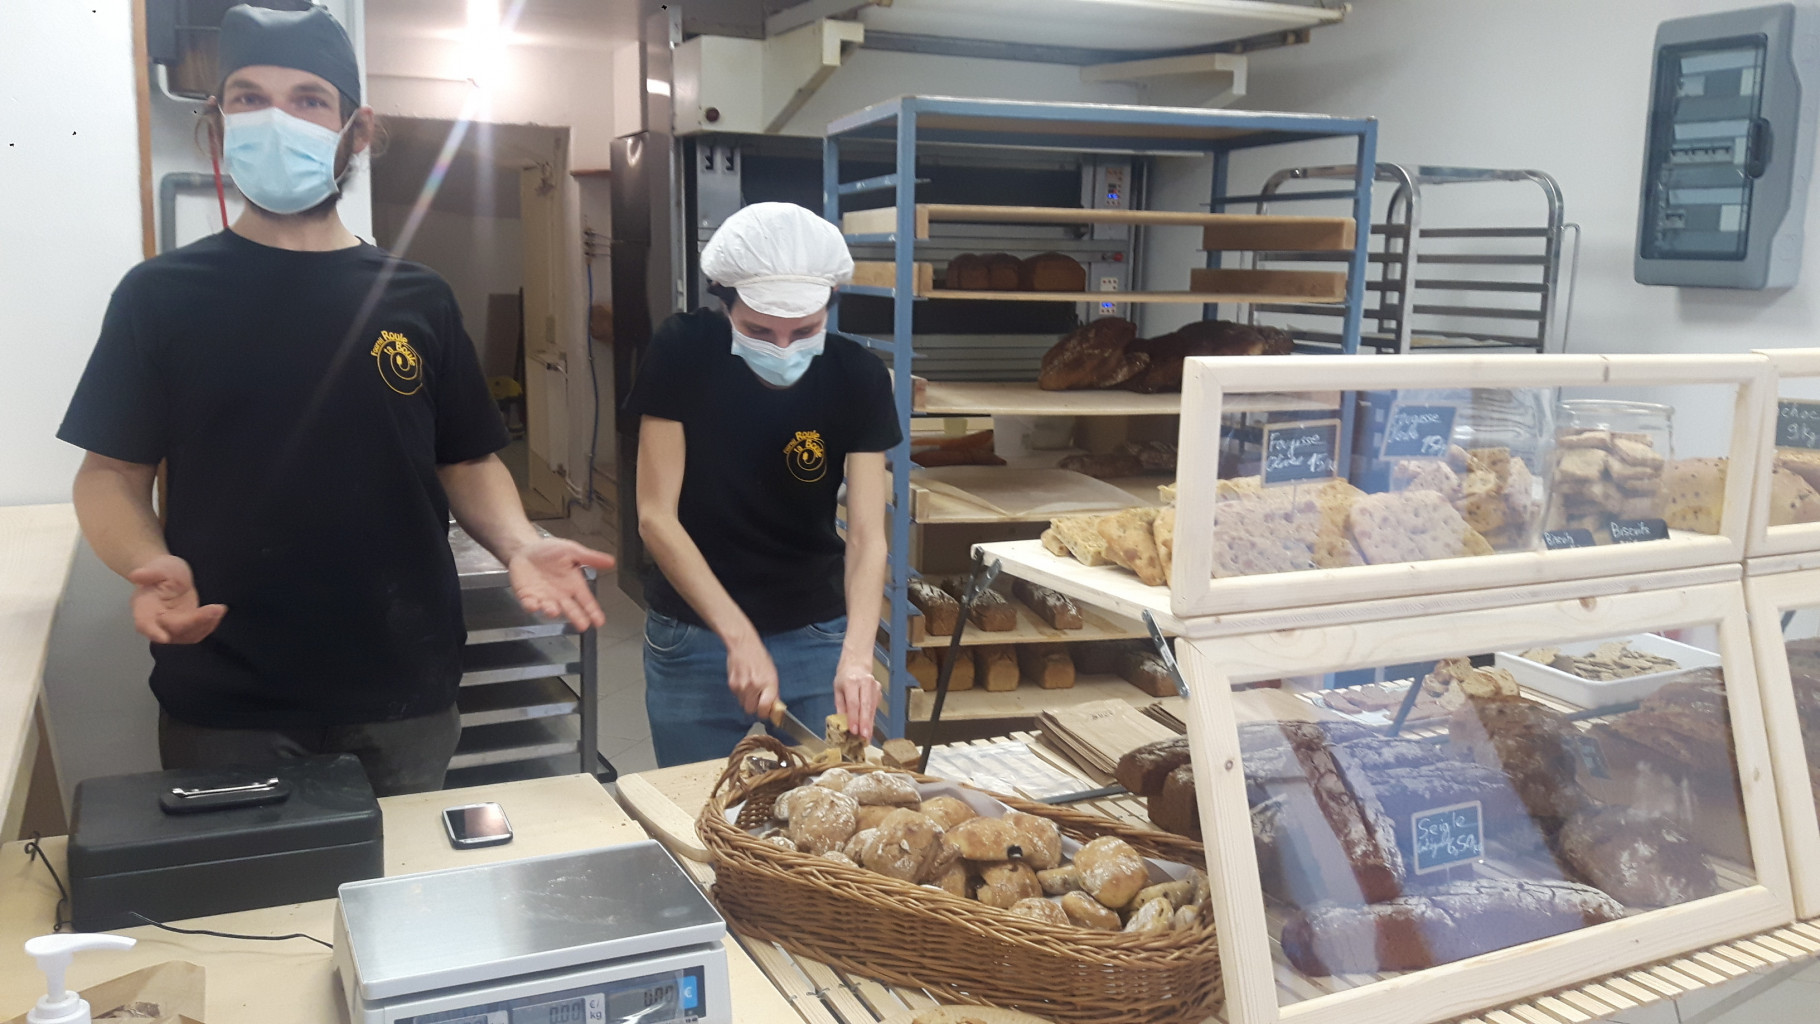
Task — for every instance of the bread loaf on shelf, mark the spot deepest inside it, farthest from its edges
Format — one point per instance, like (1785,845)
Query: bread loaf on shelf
(967,272)
(1046,665)
(989,611)
(962,676)
(1202,338)
(940,610)
(1052,272)
(1173,808)
(1057,609)
(1092,356)
(1641,861)
(1146,671)
(1004,271)
(1143,769)
(995,666)
(922,666)
(1449,923)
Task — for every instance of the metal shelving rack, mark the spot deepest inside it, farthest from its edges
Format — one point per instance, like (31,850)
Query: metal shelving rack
(1488,289)
(517,704)
(911,122)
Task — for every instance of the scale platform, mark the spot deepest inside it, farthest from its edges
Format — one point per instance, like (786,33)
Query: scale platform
(615,935)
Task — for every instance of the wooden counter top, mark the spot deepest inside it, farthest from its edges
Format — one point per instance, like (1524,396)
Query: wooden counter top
(286,982)
(37,548)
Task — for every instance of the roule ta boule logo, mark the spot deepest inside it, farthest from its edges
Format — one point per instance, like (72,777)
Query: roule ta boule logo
(807,456)
(399,364)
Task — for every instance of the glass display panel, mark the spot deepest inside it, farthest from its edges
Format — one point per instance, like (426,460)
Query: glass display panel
(1801,639)
(1415,815)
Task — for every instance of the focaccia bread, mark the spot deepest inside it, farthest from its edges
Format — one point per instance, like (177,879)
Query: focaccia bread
(1131,542)
(902,847)
(1693,492)
(1791,499)
(1282,529)
(1411,526)
(1163,530)
(1081,536)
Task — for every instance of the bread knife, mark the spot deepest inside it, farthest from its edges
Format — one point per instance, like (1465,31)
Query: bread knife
(793,727)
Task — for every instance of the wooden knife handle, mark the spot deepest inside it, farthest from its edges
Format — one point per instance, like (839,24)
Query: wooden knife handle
(777,712)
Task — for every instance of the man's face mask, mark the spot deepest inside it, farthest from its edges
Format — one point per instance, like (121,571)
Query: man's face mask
(281,163)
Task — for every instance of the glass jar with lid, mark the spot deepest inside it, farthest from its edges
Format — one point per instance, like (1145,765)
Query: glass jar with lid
(1608,464)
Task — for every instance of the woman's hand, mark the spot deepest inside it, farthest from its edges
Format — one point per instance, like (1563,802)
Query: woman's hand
(751,675)
(856,694)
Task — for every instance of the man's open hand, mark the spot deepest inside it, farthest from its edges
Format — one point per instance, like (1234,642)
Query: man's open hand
(547,579)
(165,607)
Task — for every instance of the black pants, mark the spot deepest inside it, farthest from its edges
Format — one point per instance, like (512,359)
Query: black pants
(407,756)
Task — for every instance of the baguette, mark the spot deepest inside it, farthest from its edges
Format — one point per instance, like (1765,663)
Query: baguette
(1050,606)
(996,664)
(1046,665)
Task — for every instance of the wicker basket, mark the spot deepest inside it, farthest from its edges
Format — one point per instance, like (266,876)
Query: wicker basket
(905,934)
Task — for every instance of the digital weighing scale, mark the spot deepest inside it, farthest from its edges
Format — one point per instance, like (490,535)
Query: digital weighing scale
(616,935)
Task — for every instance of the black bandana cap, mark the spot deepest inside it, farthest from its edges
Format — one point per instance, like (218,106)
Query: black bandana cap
(309,40)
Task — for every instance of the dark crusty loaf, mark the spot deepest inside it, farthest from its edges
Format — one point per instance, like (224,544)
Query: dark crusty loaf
(1536,747)
(1451,922)
(1173,808)
(1092,356)
(1366,833)
(1687,721)
(1641,861)
(1053,272)
(967,272)
(940,610)
(1146,671)
(1143,770)
(989,611)
(1202,338)
(1046,665)
(1051,606)
(1005,272)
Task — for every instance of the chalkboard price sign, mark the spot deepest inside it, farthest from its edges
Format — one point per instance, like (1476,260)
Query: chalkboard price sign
(1447,836)
(1419,431)
(1797,424)
(1556,540)
(1300,451)
(1631,531)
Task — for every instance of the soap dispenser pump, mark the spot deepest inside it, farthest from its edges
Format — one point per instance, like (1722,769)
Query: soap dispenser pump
(54,953)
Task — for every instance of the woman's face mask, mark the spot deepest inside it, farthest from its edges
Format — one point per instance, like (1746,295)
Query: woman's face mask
(779,365)
(281,163)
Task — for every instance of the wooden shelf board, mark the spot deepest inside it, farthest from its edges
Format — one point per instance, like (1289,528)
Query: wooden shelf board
(936,508)
(884,220)
(1025,702)
(1185,297)
(1024,398)
(1030,629)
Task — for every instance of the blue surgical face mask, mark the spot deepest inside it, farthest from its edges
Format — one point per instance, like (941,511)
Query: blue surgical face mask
(779,365)
(281,163)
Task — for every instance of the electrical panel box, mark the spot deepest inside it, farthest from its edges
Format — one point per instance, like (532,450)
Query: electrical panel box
(1733,105)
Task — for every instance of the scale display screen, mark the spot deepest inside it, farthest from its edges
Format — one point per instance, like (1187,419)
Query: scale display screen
(1706,149)
(670,997)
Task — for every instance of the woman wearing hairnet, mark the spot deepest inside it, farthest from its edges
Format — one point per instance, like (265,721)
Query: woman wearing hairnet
(749,421)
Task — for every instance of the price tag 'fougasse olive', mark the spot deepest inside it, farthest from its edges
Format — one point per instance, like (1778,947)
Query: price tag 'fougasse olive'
(1300,451)
(1419,431)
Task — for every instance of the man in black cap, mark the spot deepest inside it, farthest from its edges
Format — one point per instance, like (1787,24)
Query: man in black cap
(321,411)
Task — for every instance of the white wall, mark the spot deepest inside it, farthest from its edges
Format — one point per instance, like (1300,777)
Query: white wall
(70,169)
(1557,85)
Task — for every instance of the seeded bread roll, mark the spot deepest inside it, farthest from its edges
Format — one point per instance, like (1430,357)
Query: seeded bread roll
(952,879)
(987,839)
(893,788)
(1038,909)
(821,819)
(1179,894)
(1040,838)
(853,846)
(835,779)
(903,846)
(1060,881)
(1155,916)
(1084,911)
(1111,871)
(840,858)
(1002,885)
(873,816)
(948,811)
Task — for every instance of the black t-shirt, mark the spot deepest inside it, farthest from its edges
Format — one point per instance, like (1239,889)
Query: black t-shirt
(302,401)
(762,476)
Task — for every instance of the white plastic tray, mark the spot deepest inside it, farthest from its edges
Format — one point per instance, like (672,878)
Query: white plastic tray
(1588,693)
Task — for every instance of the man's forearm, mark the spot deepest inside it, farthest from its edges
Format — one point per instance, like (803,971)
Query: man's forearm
(682,563)
(486,504)
(118,521)
(865,597)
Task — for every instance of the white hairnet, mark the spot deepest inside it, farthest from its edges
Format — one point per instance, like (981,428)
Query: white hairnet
(782,259)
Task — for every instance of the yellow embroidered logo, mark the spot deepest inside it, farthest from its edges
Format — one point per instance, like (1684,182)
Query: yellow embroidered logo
(399,364)
(807,456)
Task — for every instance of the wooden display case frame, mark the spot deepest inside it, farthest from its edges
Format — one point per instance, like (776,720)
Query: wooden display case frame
(1765,540)
(1213,665)
(1208,383)
(1769,597)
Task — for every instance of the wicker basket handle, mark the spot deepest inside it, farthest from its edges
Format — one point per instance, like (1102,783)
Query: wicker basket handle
(786,756)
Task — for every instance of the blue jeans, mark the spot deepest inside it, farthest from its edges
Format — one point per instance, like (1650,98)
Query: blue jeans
(694,717)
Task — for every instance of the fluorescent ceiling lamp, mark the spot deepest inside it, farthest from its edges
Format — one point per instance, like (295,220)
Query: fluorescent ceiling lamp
(485,44)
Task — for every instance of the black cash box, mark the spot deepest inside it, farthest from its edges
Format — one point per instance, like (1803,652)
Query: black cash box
(190,843)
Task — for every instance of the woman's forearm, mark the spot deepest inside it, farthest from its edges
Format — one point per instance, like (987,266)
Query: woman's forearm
(865,578)
(682,564)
